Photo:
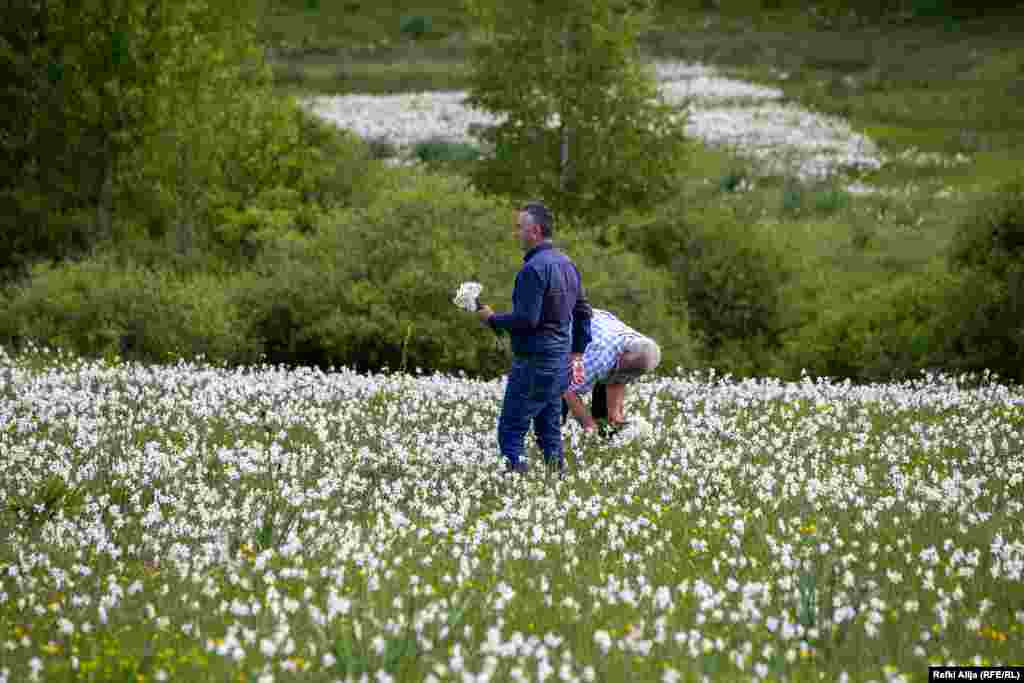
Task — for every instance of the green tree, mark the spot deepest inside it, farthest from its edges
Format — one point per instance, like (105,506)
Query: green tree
(582,125)
(97,87)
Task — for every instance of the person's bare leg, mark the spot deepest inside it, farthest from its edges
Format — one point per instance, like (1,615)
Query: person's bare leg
(616,402)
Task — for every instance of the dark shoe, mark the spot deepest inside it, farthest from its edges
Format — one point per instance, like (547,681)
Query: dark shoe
(599,404)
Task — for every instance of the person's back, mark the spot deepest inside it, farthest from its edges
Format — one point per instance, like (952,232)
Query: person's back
(552,273)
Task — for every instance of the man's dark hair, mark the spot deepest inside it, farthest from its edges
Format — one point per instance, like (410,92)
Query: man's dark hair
(541,216)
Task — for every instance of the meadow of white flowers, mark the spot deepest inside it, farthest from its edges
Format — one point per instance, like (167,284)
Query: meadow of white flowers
(192,523)
(751,120)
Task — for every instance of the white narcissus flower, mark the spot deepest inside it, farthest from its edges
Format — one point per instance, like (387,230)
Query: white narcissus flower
(468,296)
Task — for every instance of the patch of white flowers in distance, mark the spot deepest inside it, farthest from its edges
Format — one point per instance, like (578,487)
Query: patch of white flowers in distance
(695,536)
(750,119)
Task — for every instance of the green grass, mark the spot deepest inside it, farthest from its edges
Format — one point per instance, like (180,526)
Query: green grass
(301,77)
(331,25)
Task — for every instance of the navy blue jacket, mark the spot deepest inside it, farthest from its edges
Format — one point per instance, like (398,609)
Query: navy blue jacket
(550,314)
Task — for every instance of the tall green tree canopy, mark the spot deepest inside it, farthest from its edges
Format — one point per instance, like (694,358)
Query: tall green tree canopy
(582,124)
(100,93)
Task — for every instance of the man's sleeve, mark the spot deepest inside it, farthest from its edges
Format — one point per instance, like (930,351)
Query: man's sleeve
(527,301)
(581,315)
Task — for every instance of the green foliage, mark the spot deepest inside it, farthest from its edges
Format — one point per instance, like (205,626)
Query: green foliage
(95,87)
(274,168)
(583,127)
(830,200)
(50,497)
(984,323)
(415,26)
(350,294)
(732,181)
(991,238)
(731,273)
(432,151)
(792,199)
(884,332)
(99,308)
(373,287)
(174,136)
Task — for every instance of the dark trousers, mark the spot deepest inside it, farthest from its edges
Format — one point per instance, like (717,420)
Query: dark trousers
(533,395)
(598,406)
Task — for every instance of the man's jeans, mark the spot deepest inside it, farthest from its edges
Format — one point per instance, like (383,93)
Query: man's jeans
(534,392)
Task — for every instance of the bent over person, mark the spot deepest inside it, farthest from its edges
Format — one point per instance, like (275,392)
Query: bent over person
(616,356)
(549,322)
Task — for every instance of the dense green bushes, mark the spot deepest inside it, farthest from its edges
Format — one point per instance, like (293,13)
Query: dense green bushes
(986,325)
(961,314)
(729,275)
(99,307)
(374,287)
(885,332)
(369,287)
(107,105)
(272,167)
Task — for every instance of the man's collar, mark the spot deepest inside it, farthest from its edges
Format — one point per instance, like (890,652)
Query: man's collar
(546,244)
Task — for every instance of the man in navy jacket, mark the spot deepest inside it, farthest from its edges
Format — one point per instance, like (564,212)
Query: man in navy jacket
(549,325)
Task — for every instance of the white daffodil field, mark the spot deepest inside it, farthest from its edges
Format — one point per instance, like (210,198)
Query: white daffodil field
(750,120)
(189,523)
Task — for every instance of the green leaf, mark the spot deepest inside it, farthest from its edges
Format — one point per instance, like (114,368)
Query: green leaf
(55,72)
(119,48)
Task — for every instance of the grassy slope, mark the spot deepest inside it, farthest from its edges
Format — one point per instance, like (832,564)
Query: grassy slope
(939,87)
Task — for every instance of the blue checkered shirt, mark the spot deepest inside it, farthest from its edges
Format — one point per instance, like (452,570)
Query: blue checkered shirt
(608,337)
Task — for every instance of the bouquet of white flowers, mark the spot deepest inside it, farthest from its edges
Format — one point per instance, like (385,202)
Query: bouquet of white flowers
(468,299)
(468,296)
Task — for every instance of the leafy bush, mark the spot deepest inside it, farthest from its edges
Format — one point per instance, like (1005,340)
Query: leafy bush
(831,200)
(883,333)
(733,181)
(368,288)
(444,150)
(374,287)
(415,26)
(98,307)
(991,238)
(731,274)
(985,322)
(381,148)
(274,168)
